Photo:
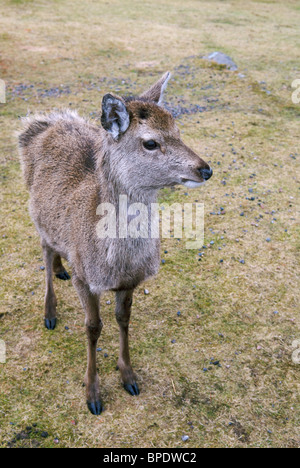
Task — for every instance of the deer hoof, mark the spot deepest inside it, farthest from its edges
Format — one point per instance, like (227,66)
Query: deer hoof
(95,407)
(50,323)
(132,389)
(64,276)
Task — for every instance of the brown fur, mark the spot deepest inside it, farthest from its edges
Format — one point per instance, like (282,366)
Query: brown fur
(71,166)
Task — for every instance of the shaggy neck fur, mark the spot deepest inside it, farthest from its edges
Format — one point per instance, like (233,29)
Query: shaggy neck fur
(113,186)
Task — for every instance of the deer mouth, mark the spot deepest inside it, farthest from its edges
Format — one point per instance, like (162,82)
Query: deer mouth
(191,183)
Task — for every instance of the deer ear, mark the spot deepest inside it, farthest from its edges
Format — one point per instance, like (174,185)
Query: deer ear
(115,117)
(156,92)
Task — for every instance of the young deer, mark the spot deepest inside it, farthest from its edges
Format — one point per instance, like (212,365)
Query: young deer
(71,166)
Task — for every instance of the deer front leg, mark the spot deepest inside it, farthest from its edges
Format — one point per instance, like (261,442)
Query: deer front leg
(123,311)
(93,323)
(50,298)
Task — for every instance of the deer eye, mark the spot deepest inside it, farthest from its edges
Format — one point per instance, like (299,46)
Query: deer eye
(150,145)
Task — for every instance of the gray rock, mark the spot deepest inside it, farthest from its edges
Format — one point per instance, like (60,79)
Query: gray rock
(222,59)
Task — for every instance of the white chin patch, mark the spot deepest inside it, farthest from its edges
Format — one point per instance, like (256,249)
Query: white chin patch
(192,184)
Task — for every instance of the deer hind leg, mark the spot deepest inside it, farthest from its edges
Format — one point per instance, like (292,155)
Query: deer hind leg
(93,323)
(59,269)
(123,311)
(50,298)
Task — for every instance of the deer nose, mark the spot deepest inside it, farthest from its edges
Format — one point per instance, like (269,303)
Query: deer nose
(206,173)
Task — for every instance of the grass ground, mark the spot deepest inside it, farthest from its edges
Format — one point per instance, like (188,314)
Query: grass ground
(239,304)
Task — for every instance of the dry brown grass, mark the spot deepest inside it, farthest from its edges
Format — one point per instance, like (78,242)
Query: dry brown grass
(63,53)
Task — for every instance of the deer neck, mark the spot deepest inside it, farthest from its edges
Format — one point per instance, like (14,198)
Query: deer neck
(112,187)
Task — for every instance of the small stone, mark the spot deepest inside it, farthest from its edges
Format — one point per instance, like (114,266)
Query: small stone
(185,438)
(146,292)
(222,59)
